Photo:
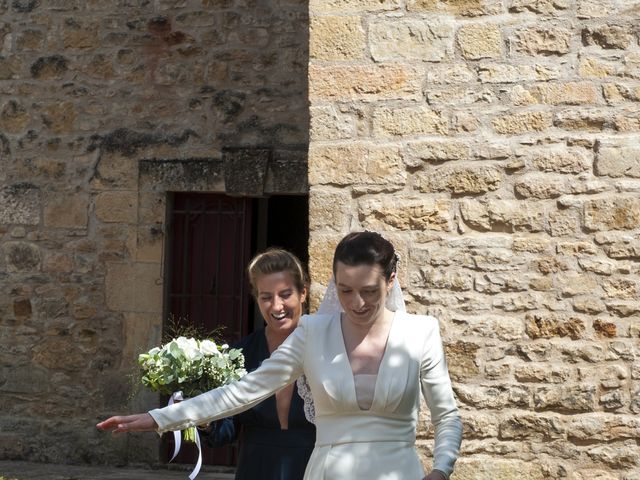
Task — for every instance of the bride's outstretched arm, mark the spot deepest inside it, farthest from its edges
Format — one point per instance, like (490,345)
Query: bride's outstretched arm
(283,367)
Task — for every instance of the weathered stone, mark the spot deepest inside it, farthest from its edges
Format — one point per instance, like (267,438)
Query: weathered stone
(541,427)
(367,82)
(67,210)
(133,288)
(618,456)
(612,214)
(60,117)
(346,6)
(21,257)
(462,360)
(436,152)
(461,180)
(572,93)
(356,164)
(478,41)
(622,288)
(20,204)
(503,215)
(321,248)
(537,185)
(596,8)
(492,326)
(569,399)
(14,117)
(571,283)
(507,73)
(591,67)
(410,121)
(450,74)
(542,373)
(327,123)
(607,36)
(602,427)
(406,214)
(467,8)
(618,160)
(542,41)
(552,325)
(539,6)
(561,161)
(501,396)
(582,120)
(50,68)
(117,206)
(80,36)
(599,266)
(327,210)
(623,308)
(410,40)
(518,123)
(336,38)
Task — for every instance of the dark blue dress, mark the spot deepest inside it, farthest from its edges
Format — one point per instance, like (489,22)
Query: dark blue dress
(266,451)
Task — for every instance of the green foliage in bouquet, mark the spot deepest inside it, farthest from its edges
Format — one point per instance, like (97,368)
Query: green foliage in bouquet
(191,366)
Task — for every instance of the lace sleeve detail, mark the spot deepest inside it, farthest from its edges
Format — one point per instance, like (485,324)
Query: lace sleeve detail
(305,393)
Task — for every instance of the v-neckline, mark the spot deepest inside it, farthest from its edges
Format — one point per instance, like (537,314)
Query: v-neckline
(380,365)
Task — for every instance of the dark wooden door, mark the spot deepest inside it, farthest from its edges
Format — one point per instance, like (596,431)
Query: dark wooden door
(209,248)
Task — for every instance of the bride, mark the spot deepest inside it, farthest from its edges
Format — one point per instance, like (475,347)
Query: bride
(365,365)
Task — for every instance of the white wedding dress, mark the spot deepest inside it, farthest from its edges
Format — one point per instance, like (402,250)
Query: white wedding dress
(351,443)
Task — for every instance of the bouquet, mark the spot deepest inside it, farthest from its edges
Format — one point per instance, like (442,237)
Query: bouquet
(186,367)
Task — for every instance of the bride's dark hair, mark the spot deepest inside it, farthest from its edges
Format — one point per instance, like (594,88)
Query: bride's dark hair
(366,248)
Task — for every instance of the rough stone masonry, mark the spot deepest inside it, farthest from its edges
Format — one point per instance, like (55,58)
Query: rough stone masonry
(497,143)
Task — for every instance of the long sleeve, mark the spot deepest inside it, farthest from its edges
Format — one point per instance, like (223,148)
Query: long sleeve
(283,367)
(437,391)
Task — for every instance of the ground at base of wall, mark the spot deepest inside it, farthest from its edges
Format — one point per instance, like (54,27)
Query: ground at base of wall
(10,470)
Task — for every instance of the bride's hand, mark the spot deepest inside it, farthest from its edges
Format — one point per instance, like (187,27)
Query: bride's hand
(131,423)
(435,475)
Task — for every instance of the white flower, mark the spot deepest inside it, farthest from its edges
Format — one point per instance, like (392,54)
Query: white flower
(189,347)
(209,348)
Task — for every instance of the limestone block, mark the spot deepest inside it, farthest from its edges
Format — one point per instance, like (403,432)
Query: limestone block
(364,82)
(544,7)
(612,214)
(152,208)
(561,161)
(356,164)
(616,159)
(60,117)
(584,119)
(466,8)
(80,35)
(454,96)
(114,170)
(148,245)
(479,425)
(461,179)
(408,121)
(607,36)
(134,287)
(488,467)
(352,6)
(566,398)
(21,257)
(623,455)
(593,67)
(523,216)
(540,185)
(518,123)
(436,151)
(117,207)
(20,204)
(572,93)
(505,328)
(542,41)
(627,123)
(620,287)
(542,373)
(66,210)
(336,38)
(550,325)
(480,40)
(321,248)
(596,265)
(410,40)
(436,278)
(588,305)
(10,67)
(575,283)
(14,117)
(53,67)
(59,353)
(141,332)
(30,40)
(327,123)
(494,397)
(448,73)
(406,214)
(596,8)
(532,426)
(328,210)
(624,308)
(507,73)
(461,357)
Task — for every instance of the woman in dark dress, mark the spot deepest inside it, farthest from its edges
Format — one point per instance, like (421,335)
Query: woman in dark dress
(277,440)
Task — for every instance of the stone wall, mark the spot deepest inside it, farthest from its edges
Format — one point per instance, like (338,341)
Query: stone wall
(496,143)
(105,106)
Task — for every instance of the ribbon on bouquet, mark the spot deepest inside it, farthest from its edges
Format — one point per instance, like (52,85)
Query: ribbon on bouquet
(177,437)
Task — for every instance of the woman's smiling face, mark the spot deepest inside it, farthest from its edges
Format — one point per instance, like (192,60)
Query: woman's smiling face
(279,301)
(362,291)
